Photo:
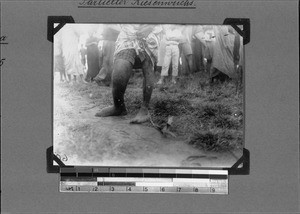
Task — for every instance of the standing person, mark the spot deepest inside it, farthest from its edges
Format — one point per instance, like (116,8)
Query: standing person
(58,57)
(172,38)
(70,53)
(92,57)
(224,53)
(192,35)
(109,34)
(198,47)
(135,42)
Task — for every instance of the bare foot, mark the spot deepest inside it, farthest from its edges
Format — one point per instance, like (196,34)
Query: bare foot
(142,116)
(111,111)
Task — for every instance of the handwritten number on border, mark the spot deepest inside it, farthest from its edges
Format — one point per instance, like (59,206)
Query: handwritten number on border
(2,61)
(63,157)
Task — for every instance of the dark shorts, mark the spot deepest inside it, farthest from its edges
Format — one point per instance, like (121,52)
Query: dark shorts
(128,55)
(131,56)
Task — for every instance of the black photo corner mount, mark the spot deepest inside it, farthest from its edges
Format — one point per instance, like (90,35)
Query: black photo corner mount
(51,157)
(61,21)
(244,161)
(245,22)
(234,22)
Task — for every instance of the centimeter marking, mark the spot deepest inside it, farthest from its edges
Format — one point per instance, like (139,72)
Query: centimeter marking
(147,185)
(140,172)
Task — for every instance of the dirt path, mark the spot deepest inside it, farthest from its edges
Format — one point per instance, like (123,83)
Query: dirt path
(80,138)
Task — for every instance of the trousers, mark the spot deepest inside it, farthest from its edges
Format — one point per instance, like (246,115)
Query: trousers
(172,55)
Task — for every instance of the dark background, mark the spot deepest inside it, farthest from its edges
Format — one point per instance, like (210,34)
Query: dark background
(272,99)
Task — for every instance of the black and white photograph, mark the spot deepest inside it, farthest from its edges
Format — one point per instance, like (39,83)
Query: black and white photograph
(148,95)
(97,96)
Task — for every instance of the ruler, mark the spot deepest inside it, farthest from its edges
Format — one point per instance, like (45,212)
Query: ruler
(212,182)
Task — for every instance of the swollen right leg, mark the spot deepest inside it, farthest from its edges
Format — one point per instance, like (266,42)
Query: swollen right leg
(120,76)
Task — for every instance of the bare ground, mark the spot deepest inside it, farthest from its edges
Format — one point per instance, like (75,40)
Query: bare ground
(80,138)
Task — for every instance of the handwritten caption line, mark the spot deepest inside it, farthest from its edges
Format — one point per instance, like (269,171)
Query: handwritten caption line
(137,7)
(163,4)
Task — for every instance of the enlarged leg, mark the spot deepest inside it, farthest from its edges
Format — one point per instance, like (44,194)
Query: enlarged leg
(120,76)
(148,83)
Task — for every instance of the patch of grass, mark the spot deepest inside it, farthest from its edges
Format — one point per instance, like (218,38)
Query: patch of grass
(133,100)
(210,117)
(171,107)
(218,141)
(225,123)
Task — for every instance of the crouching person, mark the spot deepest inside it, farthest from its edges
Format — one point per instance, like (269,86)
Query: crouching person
(135,42)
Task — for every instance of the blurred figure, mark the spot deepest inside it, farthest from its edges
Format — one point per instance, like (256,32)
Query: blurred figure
(72,64)
(82,55)
(58,57)
(109,35)
(172,38)
(192,48)
(198,47)
(224,53)
(92,55)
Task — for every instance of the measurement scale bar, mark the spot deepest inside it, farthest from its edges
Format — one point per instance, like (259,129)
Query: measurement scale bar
(147,185)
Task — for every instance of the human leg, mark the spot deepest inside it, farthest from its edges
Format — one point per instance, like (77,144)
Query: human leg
(187,52)
(120,76)
(175,58)
(148,83)
(166,64)
(190,62)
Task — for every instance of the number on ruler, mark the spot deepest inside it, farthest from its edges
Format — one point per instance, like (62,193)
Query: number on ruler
(128,188)
(70,188)
(196,189)
(112,188)
(95,189)
(178,189)
(212,189)
(162,189)
(145,189)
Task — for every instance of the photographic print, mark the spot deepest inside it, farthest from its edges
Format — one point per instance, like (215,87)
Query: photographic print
(148,95)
